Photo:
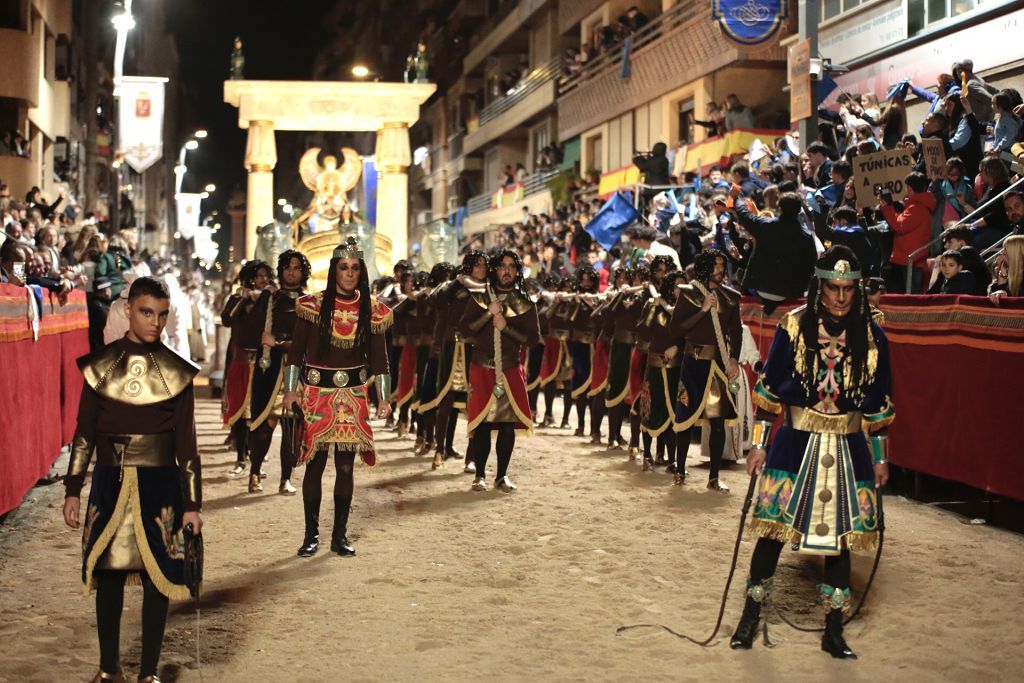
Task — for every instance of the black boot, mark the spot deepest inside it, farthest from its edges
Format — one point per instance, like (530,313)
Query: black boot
(311,542)
(743,638)
(339,540)
(832,640)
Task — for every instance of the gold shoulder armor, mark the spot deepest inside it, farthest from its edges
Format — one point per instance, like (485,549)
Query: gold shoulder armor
(690,293)
(791,321)
(729,295)
(137,378)
(878,315)
(517,304)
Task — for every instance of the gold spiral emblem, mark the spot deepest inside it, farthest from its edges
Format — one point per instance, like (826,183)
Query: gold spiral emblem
(136,371)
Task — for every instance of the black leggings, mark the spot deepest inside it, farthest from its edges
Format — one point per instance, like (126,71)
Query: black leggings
(427,426)
(110,603)
(480,447)
(616,414)
(444,424)
(259,446)
(716,444)
(240,435)
(666,442)
(597,412)
(766,558)
(343,483)
(634,430)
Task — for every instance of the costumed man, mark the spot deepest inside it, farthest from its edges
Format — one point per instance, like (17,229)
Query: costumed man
(503,321)
(581,343)
(245,314)
(705,331)
(633,309)
(404,345)
(661,378)
(428,318)
(556,364)
(620,329)
(338,345)
(137,413)
(601,350)
(456,351)
(535,354)
(293,272)
(421,333)
(828,373)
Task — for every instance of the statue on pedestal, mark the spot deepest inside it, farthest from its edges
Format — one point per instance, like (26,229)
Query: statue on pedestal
(421,63)
(329,185)
(237,61)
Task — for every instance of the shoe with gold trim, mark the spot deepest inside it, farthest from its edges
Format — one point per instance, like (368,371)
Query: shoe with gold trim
(104,676)
(149,679)
(401,430)
(479,484)
(438,461)
(716,485)
(678,479)
(255,485)
(634,454)
(648,465)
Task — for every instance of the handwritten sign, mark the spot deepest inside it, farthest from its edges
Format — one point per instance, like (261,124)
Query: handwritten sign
(885,170)
(934,157)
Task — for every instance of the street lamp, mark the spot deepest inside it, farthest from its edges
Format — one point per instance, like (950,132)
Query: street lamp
(287,208)
(282,202)
(360,71)
(210,187)
(200,134)
(123,22)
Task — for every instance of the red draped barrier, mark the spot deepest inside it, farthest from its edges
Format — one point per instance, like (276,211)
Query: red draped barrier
(41,387)
(956,362)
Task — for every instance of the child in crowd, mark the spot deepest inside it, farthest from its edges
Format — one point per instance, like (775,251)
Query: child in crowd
(954,279)
(958,194)
(1006,124)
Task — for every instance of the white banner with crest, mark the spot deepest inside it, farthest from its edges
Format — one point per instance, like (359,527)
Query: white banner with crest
(188,213)
(141,120)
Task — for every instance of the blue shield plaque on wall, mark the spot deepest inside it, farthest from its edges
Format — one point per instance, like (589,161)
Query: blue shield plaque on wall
(749,22)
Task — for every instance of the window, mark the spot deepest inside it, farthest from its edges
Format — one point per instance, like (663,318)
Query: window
(686,124)
(924,13)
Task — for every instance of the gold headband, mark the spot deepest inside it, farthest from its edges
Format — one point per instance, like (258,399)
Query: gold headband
(841,271)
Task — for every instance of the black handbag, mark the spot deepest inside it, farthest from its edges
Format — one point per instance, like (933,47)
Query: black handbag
(193,560)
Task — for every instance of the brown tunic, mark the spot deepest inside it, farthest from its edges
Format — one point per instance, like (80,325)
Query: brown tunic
(246,318)
(523,328)
(306,348)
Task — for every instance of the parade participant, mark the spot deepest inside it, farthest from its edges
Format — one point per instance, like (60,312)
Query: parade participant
(456,350)
(404,344)
(293,272)
(137,412)
(503,321)
(661,379)
(535,354)
(430,335)
(421,332)
(556,367)
(245,315)
(338,344)
(619,326)
(581,343)
(705,332)
(385,290)
(603,332)
(828,373)
(634,309)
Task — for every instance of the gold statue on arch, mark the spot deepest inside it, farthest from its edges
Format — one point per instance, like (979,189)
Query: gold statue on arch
(330,186)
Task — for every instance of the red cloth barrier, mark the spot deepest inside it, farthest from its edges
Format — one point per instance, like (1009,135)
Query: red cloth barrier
(41,388)
(955,362)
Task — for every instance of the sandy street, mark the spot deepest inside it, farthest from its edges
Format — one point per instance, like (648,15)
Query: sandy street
(451,585)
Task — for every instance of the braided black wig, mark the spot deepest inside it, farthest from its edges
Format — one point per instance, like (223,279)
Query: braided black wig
(285,259)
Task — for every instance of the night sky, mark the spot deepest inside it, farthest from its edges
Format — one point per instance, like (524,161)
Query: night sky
(280,39)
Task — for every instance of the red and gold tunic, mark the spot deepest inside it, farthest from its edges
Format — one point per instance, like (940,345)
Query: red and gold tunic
(337,415)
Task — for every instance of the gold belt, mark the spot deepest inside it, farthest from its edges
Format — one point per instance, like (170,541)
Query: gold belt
(656,360)
(701,351)
(136,450)
(808,420)
(625,336)
(335,378)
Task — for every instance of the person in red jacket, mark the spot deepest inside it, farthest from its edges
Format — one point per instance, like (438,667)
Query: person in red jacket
(912,229)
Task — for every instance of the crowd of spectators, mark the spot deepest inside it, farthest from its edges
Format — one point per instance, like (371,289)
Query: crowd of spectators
(54,246)
(773,215)
(604,40)
(13,143)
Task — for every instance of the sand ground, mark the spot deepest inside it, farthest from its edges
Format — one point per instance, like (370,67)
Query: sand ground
(454,585)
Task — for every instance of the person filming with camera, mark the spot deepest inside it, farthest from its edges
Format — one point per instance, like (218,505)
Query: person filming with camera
(912,229)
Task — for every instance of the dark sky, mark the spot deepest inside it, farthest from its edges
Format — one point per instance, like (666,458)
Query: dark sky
(280,42)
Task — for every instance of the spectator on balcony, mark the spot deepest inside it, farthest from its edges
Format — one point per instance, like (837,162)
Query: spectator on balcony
(716,123)
(831,195)
(737,114)
(893,123)
(634,19)
(35,200)
(979,93)
(957,193)
(608,38)
(7,143)
(520,173)
(912,230)
(994,222)
(1009,270)
(966,132)
(654,166)
(944,86)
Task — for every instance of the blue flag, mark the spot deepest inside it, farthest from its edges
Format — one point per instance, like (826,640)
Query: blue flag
(825,87)
(627,51)
(611,221)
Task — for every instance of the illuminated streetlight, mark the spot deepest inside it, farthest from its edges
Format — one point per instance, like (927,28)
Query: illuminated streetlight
(210,187)
(360,71)
(204,195)
(123,21)
(287,208)
(191,144)
(282,202)
(200,134)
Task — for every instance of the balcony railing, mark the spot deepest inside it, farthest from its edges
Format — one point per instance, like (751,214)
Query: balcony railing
(455,146)
(537,78)
(532,185)
(648,34)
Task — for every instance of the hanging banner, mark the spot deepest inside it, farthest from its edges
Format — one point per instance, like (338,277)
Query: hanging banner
(205,247)
(188,213)
(141,121)
(749,22)
(800,81)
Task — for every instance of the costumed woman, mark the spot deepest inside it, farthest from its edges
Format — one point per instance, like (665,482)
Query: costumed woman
(137,412)
(828,374)
(337,346)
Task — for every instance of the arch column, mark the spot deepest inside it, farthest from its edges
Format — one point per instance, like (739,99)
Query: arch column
(393,157)
(260,159)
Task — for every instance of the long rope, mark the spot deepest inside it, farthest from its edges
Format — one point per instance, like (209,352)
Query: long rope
(728,582)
